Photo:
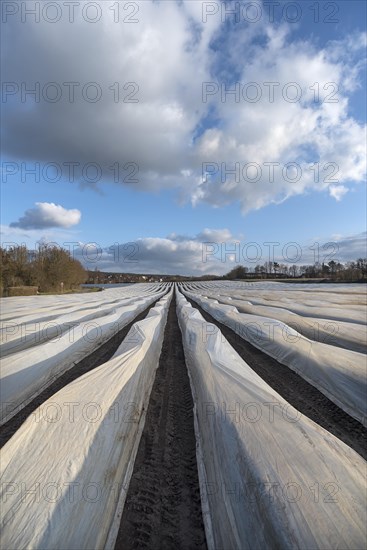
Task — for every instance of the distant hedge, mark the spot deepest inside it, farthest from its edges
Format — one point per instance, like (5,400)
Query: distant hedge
(22,290)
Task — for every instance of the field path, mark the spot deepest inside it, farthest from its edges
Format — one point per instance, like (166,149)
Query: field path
(163,508)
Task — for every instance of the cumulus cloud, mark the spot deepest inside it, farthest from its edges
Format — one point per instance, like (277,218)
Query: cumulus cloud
(174,254)
(340,248)
(351,247)
(196,255)
(46,215)
(338,191)
(211,251)
(151,128)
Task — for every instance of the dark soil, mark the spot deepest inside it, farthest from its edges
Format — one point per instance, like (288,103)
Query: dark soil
(163,508)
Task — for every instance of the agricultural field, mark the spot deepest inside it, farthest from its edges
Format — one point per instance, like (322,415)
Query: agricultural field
(211,415)
(183,283)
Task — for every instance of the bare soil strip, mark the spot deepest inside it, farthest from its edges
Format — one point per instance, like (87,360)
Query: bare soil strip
(95,359)
(163,508)
(300,394)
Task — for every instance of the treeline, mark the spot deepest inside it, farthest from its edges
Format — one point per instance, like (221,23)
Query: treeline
(108,277)
(349,271)
(49,268)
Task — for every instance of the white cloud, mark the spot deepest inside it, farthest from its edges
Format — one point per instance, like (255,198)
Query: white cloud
(211,251)
(325,143)
(168,55)
(175,254)
(340,248)
(196,255)
(338,191)
(46,215)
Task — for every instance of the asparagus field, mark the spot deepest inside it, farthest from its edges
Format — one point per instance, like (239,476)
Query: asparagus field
(220,415)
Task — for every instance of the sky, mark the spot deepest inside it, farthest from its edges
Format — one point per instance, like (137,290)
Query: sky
(185,137)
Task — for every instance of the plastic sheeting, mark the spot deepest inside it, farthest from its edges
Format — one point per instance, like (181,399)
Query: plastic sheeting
(341,302)
(22,307)
(269,477)
(310,289)
(33,330)
(338,373)
(76,452)
(351,336)
(27,321)
(26,373)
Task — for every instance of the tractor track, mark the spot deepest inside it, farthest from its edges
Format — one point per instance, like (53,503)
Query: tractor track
(163,506)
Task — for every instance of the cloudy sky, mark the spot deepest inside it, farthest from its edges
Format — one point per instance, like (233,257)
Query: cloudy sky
(185,137)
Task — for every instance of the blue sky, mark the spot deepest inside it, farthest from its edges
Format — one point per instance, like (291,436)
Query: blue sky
(171,54)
